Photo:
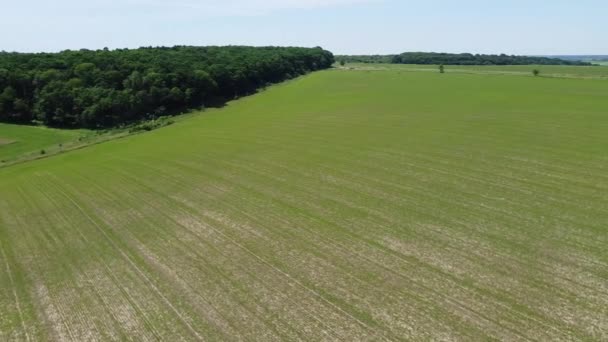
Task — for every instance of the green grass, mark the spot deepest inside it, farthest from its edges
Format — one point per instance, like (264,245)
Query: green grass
(345,205)
(556,71)
(26,143)
(31,139)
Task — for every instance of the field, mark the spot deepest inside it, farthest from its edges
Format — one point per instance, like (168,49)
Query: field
(18,140)
(344,205)
(554,71)
(6,141)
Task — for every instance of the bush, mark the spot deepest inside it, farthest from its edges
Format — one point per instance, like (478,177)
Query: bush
(151,125)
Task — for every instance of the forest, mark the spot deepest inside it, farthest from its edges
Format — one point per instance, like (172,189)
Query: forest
(106,88)
(458,59)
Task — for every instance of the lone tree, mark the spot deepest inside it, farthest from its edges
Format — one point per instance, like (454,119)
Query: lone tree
(441,69)
(536,72)
(342,62)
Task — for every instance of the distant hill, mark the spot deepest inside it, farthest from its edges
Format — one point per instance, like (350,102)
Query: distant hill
(459,59)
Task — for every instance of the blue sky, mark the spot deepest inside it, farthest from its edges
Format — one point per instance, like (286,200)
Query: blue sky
(342,26)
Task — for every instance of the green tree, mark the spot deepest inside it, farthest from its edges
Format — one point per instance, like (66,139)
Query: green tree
(7,99)
(441,69)
(87,72)
(135,81)
(45,77)
(104,88)
(55,105)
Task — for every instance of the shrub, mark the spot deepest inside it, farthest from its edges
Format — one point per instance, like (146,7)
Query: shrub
(150,125)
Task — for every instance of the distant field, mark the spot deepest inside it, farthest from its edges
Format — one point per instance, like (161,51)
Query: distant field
(345,205)
(599,72)
(17,140)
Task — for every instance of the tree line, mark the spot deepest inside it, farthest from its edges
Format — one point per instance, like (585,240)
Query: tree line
(458,59)
(106,88)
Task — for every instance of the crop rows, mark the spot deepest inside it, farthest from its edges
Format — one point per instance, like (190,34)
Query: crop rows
(378,211)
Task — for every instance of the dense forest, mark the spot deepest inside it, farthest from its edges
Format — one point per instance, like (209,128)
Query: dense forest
(105,88)
(366,58)
(458,59)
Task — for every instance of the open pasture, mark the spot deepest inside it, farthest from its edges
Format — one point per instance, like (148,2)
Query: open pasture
(17,140)
(553,71)
(344,205)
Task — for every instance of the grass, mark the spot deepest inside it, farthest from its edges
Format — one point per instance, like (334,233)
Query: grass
(345,205)
(17,140)
(36,142)
(6,142)
(555,71)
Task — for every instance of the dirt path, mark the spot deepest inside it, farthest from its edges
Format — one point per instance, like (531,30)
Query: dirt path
(4,141)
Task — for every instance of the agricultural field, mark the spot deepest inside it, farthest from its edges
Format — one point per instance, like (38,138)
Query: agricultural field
(344,205)
(16,140)
(555,71)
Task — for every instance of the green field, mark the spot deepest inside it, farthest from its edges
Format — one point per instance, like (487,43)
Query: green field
(344,205)
(18,140)
(554,71)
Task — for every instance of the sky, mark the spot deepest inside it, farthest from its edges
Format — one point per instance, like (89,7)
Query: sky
(524,27)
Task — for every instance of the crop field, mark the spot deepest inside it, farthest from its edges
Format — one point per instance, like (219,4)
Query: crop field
(344,205)
(554,71)
(16,140)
